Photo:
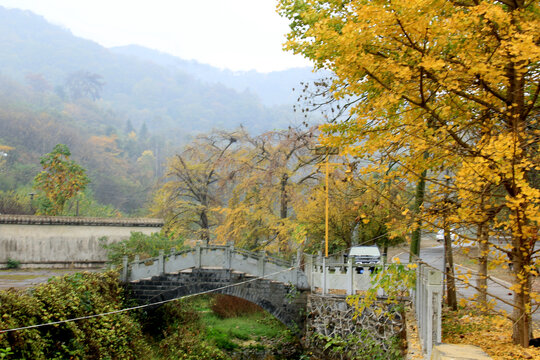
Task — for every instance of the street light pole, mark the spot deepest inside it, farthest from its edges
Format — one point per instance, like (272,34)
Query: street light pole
(326,214)
(325,150)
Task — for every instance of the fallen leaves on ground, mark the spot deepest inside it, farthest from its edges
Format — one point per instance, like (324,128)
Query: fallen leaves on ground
(493,334)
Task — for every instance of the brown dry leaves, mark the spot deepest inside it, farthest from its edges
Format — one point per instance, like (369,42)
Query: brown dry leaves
(493,335)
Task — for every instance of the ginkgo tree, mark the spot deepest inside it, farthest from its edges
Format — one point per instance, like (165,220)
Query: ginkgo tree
(274,172)
(441,84)
(360,212)
(196,183)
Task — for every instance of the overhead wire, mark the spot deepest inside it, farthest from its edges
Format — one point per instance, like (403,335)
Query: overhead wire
(162,301)
(145,305)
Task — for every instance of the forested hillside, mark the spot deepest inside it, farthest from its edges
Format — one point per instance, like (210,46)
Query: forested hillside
(121,115)
(120,159)
(164,97)
(274,88)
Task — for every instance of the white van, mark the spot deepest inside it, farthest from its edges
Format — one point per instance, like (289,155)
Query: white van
(365,255)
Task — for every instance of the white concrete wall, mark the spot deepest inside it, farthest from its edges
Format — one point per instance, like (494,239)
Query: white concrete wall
(59,246)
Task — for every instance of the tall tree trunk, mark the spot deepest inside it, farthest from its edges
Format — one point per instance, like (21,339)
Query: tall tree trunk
(205,227)
(283,211)
(483,250)
(284,201)
(451,299)
(522,299)
(418,201)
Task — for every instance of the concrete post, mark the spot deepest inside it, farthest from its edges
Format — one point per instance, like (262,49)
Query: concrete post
(260,265)
(135,265)
(124,268)
(296,270)
(350,274)
(198,255)
(308,269)
(291,272)
(228,255)
(161,262)
(434,285)
(325,288)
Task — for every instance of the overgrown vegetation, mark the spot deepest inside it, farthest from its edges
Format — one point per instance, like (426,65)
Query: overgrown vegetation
(145,246)
(361,347)
(116,336)
(177,330)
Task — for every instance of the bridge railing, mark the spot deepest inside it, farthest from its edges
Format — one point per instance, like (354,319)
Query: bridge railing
(335,276)
(219,256)
(427,299)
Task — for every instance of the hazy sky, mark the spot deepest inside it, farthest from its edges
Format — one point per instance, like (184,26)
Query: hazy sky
(233,34)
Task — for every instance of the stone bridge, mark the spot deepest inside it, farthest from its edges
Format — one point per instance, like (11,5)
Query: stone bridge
(274,284)
(297,293)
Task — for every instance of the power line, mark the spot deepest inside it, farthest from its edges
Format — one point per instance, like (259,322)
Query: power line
(163,301)
(144,305)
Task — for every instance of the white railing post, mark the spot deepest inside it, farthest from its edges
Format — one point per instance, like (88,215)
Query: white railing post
(161,262)
(135,265)
(124,268)
(350,275)
(228,255)
(198,254)
(260,265)
(434,285)
(428,306)
(325,288)
(308,269)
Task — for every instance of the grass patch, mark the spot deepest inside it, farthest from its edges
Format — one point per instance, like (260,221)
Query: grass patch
(247,327)
(233,332)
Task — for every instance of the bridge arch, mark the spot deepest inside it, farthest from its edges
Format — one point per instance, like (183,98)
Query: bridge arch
(284,301)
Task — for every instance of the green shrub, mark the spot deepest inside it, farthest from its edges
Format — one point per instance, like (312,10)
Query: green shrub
(145,246)
(115,336)
(183,336)
(221,339)
(360,347)
(13,264)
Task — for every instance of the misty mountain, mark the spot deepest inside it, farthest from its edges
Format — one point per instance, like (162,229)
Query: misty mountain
(273,88)
(173,97)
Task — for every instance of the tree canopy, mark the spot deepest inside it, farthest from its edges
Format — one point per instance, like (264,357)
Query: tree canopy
(445,90)
(60,180)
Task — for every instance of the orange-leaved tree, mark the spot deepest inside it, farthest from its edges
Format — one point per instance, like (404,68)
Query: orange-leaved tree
(60,180)
(441,85)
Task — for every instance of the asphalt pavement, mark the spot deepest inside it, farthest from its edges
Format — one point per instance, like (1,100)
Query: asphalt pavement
(434,256)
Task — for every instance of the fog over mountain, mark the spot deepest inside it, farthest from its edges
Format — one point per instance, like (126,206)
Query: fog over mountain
(145,85)
(273,88)
(121,111)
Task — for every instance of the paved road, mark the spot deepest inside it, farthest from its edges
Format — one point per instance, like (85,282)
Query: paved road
(434,256)
(25,278)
